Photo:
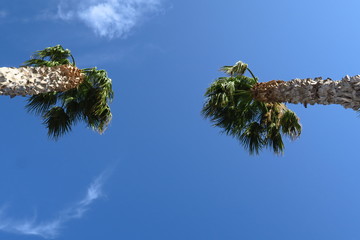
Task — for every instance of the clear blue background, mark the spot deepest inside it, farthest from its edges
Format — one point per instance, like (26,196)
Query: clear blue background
(176,177)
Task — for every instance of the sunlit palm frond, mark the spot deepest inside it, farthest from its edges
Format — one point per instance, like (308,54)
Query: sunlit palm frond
(51,56)
(290,124)
(100,80)
(238,69)
(279,120)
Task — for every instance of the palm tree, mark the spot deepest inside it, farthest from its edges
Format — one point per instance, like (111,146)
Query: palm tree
(231,105)
(61,93)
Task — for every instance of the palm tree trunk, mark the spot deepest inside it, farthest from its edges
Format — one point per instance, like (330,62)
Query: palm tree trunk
(311,91)
(34,80)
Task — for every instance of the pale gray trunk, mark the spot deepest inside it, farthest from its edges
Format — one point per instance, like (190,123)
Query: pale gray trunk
(311,91)
(34,80)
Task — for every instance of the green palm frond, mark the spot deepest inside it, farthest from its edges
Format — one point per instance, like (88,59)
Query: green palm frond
(57,122)
(73,110)
(290,124)
(252,137)
(230,105)
(51,56)
(223,100)
(273,139)
(89,102)
(41,103)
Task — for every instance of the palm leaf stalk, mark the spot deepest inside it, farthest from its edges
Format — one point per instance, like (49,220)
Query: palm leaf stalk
(230,105)
(61,94)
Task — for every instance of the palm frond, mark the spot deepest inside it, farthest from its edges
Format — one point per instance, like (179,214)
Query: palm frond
(230,105)
(99,79)
(98,95)
(238,69)
(41,103)
(73,110)
(290,124)
(57,122)
(229,99)
(273,139)
(89,102)
(51,56)
(252,137)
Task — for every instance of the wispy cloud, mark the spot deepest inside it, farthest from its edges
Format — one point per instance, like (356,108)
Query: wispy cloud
(51,228)
(3,13)
(108,18)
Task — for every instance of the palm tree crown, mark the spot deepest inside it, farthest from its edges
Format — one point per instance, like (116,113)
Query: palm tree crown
(257,125)
(88,102)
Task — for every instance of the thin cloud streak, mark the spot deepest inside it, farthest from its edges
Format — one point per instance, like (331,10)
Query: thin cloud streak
(51,229)
(108,18)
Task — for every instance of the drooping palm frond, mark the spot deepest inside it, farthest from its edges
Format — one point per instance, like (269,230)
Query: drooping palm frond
(290,124)
(251,137)
(41,103)
(94,96)
(89,102)
(231,106)
(57,121)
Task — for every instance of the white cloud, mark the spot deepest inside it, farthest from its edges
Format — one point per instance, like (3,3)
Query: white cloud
(108,18)
(51,228)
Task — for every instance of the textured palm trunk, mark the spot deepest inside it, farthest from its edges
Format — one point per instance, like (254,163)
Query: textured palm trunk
(311,91)
(34,80)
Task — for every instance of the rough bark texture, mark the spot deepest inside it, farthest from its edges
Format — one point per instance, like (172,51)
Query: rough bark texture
(34,80)
(311,91)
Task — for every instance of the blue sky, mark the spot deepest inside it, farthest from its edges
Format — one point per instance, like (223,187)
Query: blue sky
(161,171)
